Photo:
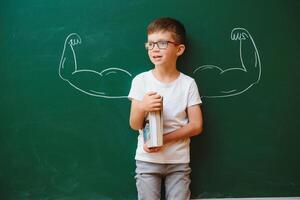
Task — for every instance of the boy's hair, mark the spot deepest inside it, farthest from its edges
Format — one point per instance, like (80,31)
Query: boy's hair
(168,24)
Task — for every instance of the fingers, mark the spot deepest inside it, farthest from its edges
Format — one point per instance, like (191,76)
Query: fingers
(157,106)
(157,100)
(152,102)
(152,149)
(151,93)
(154,95)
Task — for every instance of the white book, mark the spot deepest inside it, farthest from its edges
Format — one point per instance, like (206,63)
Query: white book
(153,129)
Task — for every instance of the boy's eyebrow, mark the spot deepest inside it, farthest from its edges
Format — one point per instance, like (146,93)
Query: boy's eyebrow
(160,40)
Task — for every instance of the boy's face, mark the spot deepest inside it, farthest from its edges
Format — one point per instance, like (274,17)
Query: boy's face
(164,56)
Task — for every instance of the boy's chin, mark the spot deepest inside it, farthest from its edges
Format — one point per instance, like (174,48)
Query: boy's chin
(157,63)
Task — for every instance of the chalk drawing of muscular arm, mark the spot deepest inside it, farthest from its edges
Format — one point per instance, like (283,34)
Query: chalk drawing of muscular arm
(109,83)
(232,81)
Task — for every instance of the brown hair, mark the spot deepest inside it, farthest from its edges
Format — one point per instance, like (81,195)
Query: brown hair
(168,24)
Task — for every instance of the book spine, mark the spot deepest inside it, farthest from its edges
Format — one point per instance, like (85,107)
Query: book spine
(156,129)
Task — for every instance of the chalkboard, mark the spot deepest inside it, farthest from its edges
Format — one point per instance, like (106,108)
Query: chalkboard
(66,68)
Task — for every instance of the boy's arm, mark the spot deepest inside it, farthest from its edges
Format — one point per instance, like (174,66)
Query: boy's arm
(193,128)
(151,102)
(137,115)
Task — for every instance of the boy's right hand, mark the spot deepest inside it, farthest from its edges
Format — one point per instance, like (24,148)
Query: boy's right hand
(151,150)
(152,102)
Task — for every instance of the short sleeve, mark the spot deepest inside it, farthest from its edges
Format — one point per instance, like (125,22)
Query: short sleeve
(193,95)
(137,88)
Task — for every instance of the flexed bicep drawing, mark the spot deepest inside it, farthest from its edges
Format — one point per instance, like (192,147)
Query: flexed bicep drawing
(115,82)
(109,83)
(236,80)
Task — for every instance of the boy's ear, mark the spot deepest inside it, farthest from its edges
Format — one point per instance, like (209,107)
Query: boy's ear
(180,50)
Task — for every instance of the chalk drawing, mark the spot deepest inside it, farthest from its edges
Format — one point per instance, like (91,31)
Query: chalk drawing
(240,78)
(249,75)
(70,72)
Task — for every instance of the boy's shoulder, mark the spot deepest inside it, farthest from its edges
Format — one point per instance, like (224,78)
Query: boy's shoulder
(186,78)
(141,75)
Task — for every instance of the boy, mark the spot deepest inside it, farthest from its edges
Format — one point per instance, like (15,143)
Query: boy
(165,88)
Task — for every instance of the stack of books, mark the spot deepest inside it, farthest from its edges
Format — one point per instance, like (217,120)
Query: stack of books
(153,129)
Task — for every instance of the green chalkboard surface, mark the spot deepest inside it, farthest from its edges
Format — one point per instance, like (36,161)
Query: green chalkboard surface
(66,69)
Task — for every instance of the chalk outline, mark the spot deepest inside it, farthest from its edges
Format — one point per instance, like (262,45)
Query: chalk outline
(240,37)
(234,36)
(102,73)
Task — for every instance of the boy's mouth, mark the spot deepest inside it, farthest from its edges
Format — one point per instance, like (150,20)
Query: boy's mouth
(157,56)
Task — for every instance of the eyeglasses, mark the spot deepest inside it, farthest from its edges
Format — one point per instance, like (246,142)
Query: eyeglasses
(160,44)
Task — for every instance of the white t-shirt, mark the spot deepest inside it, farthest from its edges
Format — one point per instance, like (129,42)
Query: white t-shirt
(177,96)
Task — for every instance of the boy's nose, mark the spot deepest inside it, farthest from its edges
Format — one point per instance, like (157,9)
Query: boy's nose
(156,47)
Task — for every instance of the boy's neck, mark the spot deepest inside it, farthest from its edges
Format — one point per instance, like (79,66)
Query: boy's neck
(166,74)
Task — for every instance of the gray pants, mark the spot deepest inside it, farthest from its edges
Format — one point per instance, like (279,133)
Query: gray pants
(149,177)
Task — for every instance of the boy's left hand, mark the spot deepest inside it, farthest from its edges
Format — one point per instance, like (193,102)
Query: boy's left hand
(152,149)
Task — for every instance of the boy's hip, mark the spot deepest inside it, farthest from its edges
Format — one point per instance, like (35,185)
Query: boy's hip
(143,167)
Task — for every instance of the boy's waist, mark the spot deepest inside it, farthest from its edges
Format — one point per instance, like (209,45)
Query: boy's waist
(174,152)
